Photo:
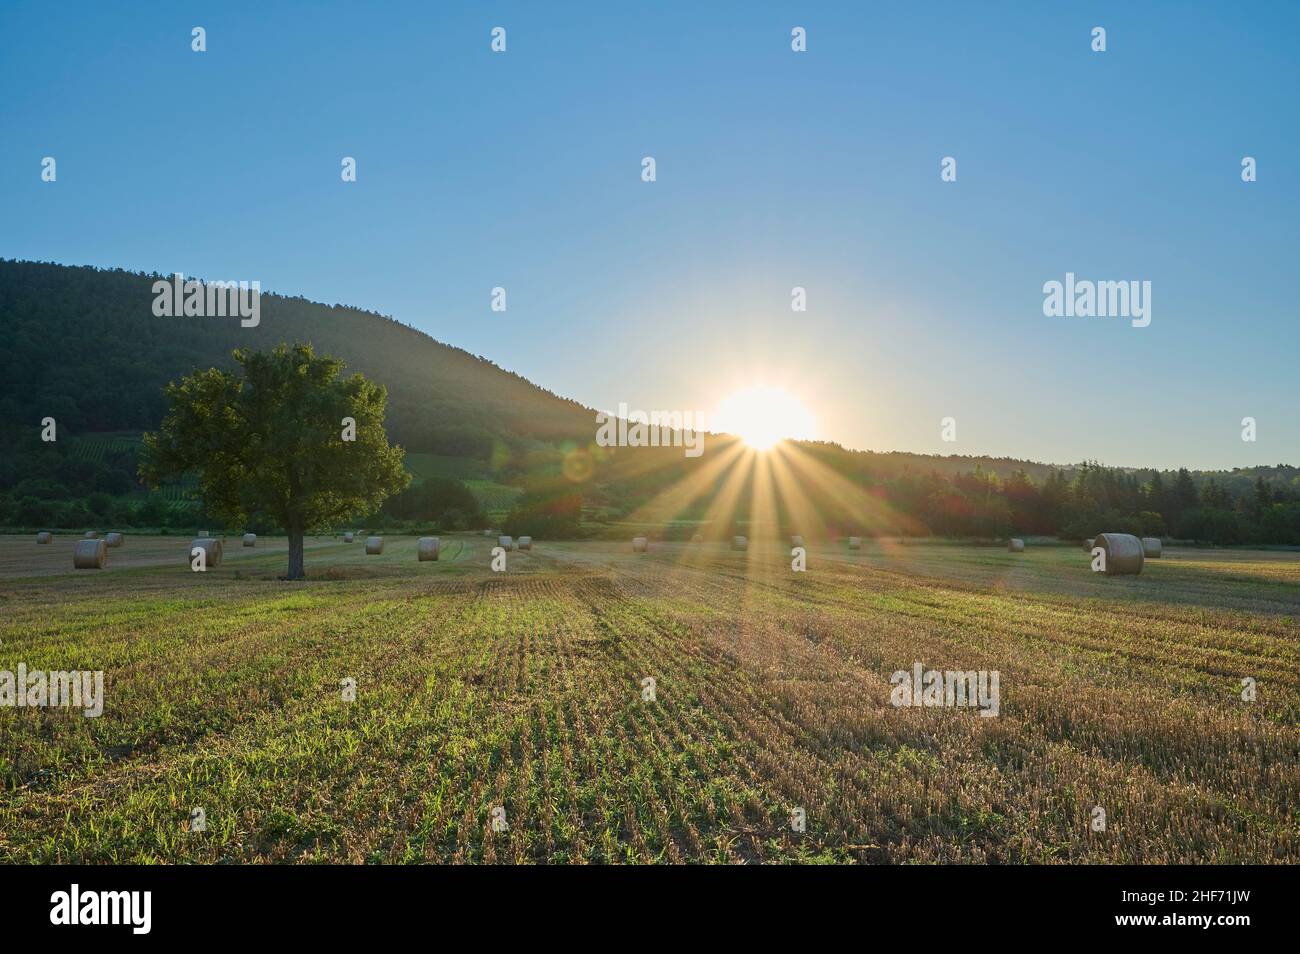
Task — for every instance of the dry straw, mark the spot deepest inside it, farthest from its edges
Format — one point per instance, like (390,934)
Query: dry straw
(1152,548)
(212,549)
(374,545)
(90,555)
(1123,553)
(427,548)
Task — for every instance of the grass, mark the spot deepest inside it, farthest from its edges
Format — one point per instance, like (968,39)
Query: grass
(423,466)
(96,447)
(495,498)
(523,690)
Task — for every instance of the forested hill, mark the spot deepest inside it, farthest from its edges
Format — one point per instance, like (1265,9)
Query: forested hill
(84,346)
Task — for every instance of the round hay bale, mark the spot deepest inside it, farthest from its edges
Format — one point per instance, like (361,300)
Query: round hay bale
(1016,545)
(698,538)
(1089,543)
(740,543)
(44,536)
(250,539)
(203,533)
(374,545)
(506,543)
(348,537)
(640,544)
(212,548)
(525,543)
(427,549)
(90,555)
(1152,548)
(855,543)
(796,540)
(90,535)
(113,540)
(1123,553)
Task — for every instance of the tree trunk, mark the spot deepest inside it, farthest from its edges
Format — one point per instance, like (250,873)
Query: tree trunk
(296,571)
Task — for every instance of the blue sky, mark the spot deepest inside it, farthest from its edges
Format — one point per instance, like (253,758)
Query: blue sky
(775,169)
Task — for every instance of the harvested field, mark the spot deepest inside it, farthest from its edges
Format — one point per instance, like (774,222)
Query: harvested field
(523,690)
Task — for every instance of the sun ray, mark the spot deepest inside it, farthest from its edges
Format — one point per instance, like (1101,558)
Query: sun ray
(673,500)
(872,517)
(721,510)
(764,522)
(805,519)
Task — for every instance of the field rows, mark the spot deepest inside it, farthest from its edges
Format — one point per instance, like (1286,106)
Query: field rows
(522,692)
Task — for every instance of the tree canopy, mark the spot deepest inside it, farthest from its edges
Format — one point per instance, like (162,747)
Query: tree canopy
(269,441)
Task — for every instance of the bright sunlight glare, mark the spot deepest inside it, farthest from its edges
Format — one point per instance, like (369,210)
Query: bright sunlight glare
(761,416)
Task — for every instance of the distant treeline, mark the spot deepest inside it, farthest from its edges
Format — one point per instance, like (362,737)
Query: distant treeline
(1100,499)
(52,485)
(58,485)
(974,504)
(1222,508)
(46,485)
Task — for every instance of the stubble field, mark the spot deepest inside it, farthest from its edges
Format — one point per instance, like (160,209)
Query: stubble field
(522,692)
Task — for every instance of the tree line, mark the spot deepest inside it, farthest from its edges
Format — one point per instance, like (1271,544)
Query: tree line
(1098,499)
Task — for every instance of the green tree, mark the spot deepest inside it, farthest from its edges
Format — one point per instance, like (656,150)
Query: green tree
(1185,493)
(152,512)
(267,442)
(550,513)
(1157,495)
(1263,495)
(434,498)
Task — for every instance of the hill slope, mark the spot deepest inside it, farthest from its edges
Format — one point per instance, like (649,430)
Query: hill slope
(86,348)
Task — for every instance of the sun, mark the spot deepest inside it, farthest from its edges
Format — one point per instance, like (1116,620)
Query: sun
(762,416)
